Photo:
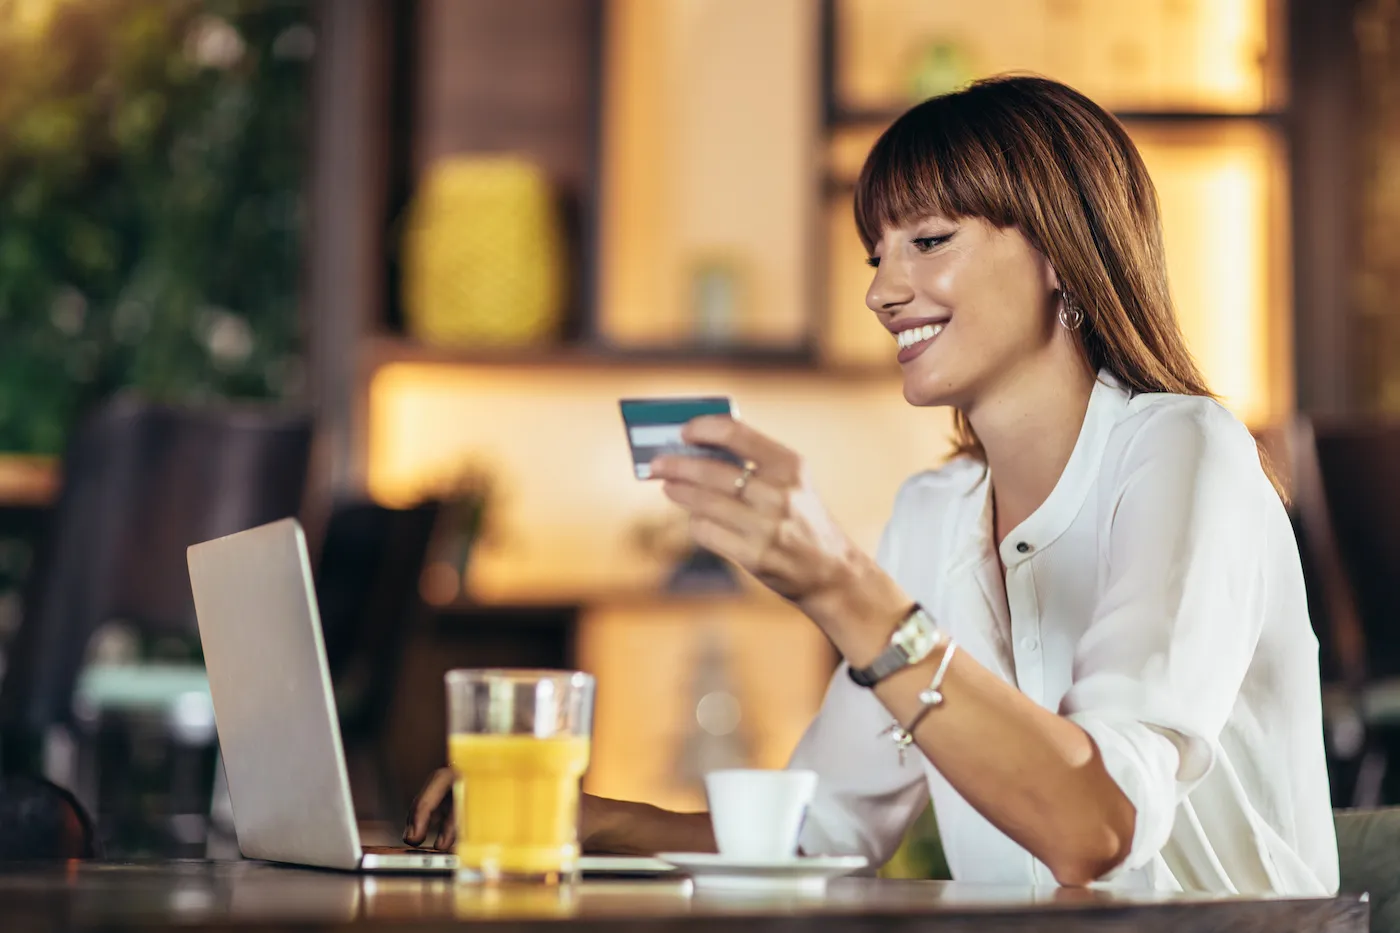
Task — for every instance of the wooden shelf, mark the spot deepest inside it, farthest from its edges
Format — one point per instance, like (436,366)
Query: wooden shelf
(839,181)
(846,117)
(533,610)
(384,349)
(1200,116)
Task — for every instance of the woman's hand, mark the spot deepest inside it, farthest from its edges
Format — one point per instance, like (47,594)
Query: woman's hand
(613,826)
(769,520)
(430,814)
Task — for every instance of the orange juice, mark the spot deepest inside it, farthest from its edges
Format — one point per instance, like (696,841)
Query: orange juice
(517,802)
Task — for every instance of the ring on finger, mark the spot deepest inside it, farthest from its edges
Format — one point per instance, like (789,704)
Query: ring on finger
(742,480)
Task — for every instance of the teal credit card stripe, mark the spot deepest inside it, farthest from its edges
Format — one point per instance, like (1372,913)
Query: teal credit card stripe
(671,411)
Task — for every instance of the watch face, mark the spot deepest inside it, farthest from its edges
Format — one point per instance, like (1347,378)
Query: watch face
(920,636)
(918,631)
(913,641)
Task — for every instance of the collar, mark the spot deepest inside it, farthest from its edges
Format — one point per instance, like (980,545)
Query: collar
(1107,402)
(1106,405)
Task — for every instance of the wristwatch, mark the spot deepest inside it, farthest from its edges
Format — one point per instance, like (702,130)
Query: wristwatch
(913,640)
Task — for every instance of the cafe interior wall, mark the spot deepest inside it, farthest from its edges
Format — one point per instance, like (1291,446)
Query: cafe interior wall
(1376,271)
(715,144)
(151,154)
(692,165)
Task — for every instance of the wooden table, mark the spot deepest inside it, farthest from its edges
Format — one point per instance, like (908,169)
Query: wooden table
(260,897)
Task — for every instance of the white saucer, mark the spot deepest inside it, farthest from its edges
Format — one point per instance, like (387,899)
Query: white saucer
(598,866)
(805,874)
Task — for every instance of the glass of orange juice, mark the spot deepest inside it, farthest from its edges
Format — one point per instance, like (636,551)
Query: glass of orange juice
(518,741)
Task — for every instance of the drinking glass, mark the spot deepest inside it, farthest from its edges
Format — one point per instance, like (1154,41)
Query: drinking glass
(518,742)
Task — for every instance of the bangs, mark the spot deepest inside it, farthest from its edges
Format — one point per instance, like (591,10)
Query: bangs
(931,161)
(1031,154)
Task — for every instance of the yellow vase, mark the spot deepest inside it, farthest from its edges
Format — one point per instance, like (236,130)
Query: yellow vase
(483,256)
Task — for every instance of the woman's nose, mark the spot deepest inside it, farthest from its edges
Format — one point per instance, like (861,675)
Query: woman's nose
(889,291)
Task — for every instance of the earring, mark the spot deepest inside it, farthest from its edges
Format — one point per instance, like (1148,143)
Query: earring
(1071,315)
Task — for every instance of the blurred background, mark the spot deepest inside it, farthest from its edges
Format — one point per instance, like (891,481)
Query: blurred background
(389,264)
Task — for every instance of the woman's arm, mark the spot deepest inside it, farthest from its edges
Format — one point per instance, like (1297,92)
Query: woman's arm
(1156,672)
(619,827)
(1034,775)
(615,827)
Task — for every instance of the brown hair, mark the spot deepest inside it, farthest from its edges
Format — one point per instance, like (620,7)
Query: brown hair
(1034,154)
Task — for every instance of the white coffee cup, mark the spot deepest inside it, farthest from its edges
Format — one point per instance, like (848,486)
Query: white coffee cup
(758,814)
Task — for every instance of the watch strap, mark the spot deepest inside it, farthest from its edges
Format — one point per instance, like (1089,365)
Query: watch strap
(913,639)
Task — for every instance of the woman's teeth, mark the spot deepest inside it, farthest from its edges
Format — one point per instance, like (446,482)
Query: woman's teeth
(907,338)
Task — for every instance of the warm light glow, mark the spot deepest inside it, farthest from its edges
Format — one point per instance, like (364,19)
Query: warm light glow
(28,19)
(708,156)
(568,512)
(709,145)
(853,335)
(1223,205)
(29,480)
(1138,55)
(650,661)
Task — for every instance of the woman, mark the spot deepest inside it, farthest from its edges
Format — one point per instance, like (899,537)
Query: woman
(1091,622)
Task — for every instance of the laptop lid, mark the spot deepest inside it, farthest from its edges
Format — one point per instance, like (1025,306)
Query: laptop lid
(278,731)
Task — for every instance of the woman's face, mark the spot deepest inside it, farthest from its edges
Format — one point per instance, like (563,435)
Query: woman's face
(971,306)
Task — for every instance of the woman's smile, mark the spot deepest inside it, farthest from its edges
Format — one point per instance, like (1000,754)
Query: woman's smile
(916,335)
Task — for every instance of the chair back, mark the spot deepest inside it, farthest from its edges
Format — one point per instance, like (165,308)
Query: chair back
(1368,850)
(367,587)
(1350,518)
(142,482)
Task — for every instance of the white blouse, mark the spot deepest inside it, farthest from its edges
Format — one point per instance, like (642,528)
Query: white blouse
(1156,599)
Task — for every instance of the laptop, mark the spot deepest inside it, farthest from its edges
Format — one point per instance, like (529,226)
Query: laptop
(279,734)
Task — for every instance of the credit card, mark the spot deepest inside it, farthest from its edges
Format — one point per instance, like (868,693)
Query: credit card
(654,428)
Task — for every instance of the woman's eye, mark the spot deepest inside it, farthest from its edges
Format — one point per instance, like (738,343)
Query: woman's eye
(925,243)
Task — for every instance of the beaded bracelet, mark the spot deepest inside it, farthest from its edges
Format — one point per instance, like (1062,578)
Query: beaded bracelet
(931,696)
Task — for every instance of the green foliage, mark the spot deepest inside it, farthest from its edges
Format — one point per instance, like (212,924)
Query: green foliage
(152,154)
(920,855)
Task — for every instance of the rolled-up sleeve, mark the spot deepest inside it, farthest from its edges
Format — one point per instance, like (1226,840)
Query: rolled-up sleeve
(866,798)
(1157,672)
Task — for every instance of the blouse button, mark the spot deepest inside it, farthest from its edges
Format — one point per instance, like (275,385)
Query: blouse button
(1029,643)
(1023,547)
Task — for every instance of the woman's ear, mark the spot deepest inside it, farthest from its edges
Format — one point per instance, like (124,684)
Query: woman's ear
(1052,278)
